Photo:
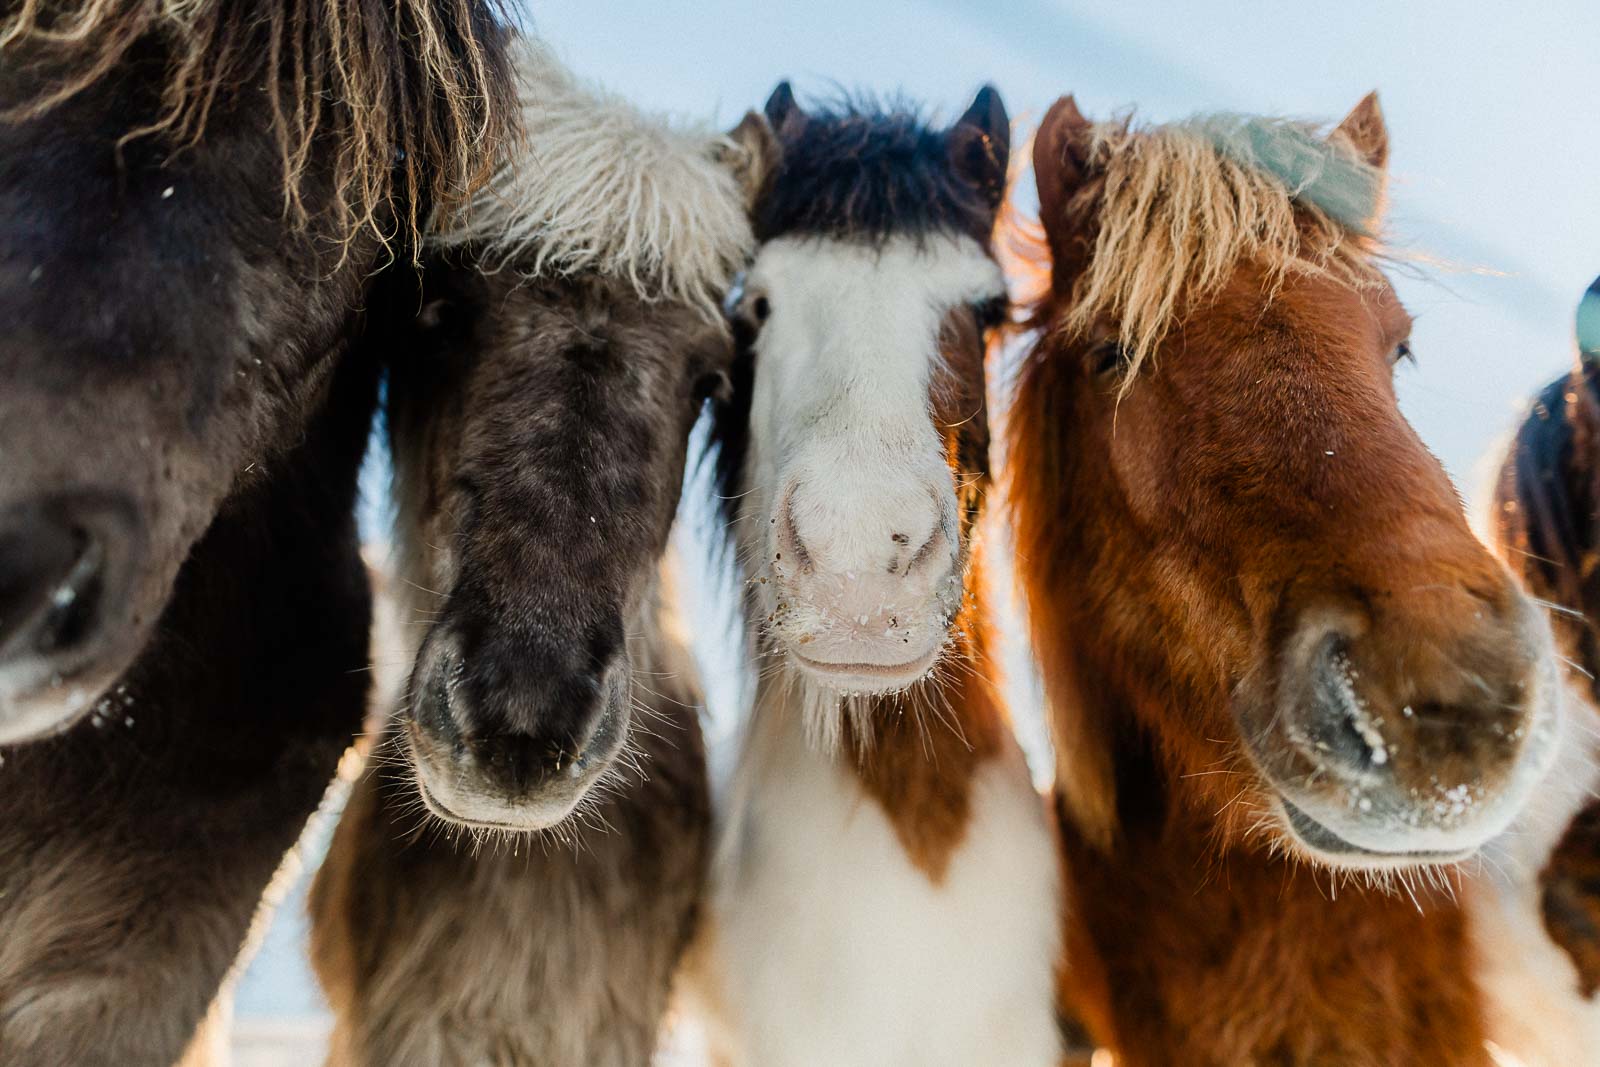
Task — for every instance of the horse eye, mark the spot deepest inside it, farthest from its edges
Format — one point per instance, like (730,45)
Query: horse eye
(761,309)
(990,313)
(1403,353)
(1108,359)
(435,315)
(716,386)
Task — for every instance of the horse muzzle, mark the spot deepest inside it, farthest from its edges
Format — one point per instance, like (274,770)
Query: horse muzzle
(66,568)
(512,760)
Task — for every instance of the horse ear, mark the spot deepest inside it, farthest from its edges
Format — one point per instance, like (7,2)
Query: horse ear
(784,112)
(1365,131)
(1060,159)
(751,152)
(980,145)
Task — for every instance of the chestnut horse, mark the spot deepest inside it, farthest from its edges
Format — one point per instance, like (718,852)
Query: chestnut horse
(1283,674)
(540,408)
(884,888)
(193,200)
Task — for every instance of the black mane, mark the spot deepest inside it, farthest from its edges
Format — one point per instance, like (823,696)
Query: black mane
(859,170)
(1546,504)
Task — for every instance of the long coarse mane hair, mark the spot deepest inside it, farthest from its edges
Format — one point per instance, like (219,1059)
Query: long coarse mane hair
(414,93)
(602,187)
(1176,208)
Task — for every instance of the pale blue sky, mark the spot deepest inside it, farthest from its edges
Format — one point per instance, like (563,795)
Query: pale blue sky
(1494,115)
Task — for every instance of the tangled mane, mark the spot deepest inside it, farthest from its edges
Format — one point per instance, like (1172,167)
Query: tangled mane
(415,93)
(1176,208)
(867,170)
(603,187)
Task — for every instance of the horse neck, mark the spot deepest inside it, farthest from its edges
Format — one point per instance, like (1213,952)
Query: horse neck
(1179,954)
(916,755)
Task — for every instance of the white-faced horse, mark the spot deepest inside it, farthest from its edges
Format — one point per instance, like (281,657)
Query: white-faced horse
(885,884)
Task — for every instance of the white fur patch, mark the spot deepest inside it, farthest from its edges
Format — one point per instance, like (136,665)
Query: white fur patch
(826,945)
(604,187)
(843,442)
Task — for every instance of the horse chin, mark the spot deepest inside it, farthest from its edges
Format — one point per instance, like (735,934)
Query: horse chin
(1325,847)
(870,673)
(36,704)
(502,790)
(481,812)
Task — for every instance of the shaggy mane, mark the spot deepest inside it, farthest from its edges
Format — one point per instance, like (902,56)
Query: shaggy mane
(1544,502)
(1175,208)
(864,170)
(603,187)
(414,92)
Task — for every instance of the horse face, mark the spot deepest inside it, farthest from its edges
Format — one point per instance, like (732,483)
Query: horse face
(866,313)
(1264,526)
(540,433)
(165,333)
(870,369)
(1398,691)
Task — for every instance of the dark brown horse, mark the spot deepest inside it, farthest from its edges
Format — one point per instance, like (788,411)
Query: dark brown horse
(1270,643)
(1537,912)
(540,409)
(193,199)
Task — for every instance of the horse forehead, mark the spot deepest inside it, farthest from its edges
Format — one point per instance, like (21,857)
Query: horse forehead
(1309,324)
(912,271)
(849,314)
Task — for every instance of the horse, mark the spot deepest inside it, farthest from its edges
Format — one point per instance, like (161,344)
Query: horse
(1535,912)
(1289,690)
(193,200)
(884,887)
(539,406)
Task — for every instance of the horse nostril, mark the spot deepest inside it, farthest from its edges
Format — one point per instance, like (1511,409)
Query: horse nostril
(1341,732)
(929,551)
(54,563)
(791,547)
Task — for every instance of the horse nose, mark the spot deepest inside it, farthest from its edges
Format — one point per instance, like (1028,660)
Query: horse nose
(1402,705)
(516,742)
(901,541)
(59,563)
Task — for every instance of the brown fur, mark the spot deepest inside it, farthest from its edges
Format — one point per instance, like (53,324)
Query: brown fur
(1196,461)
(920,766)
(1178,956)
(437,949)
(329,69)
(1571,897)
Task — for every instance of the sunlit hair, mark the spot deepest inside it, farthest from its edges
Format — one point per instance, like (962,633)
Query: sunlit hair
(412,92)
(602,187)
(1175,209)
